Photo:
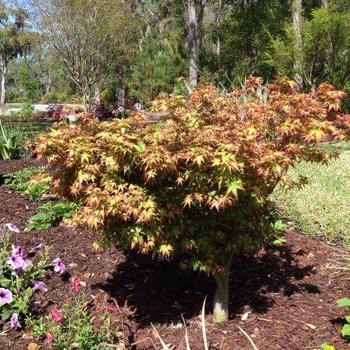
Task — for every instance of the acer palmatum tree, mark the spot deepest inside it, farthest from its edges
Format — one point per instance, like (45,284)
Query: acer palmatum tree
(195,176)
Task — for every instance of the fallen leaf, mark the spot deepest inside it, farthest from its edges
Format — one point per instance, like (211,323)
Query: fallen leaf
(33,346)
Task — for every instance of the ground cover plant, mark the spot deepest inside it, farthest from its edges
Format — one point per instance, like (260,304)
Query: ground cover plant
(50,214)
(20,276)
(345,303)
(194,177)
(33,182)
(321,207)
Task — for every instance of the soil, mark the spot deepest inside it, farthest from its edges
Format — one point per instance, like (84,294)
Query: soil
(283,297)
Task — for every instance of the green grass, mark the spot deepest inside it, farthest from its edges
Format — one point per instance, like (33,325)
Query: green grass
(322,207)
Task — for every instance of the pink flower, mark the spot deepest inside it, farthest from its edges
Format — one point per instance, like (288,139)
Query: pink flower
(5,296)
(49,339)
(37,249)
(76,285)
(15,322)
(56,315)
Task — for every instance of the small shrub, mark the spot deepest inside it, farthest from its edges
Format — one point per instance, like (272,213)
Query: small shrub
(345,302)
(72,328)
(50,214)
(20,275)
(194,176)
(33,182)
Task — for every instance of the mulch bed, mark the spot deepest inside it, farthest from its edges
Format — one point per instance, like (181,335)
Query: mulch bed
(289,292)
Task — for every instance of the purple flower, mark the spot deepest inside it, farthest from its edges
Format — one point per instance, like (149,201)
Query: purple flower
(15,322)
(18,262)
(2,231)
(37,249)
(19,251)
(5,296)
(12,228)
(59,265)
(38,285)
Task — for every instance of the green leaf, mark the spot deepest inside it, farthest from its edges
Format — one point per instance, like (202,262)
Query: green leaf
(344,302)
(345,332)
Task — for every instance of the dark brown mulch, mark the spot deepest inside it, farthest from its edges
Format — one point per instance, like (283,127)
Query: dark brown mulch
(288,292)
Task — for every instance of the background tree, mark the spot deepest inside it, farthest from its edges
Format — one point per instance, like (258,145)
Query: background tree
(15,40)
(90,38)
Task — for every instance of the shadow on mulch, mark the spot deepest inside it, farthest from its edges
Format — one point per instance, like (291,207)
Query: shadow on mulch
(160,292)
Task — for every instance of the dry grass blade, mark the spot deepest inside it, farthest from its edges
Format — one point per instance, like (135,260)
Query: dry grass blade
(248,337)
(204,331)
(164,346)
(186,335)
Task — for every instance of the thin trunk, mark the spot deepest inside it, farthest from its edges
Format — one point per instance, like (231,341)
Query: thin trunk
(324,3)
(217,21)
(297,18)
(221,298)
(97,95)
(193,41)
(120,91)
(3,83)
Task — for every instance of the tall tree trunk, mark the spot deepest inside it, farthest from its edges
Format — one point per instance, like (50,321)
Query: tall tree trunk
(217,23)
(3,69)
(192,41)
(324,3)
(297,21)
(221,298)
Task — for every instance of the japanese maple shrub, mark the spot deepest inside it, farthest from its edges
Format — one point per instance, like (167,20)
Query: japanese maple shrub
(193,176)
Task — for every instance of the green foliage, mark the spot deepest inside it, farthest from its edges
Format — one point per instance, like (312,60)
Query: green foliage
(19,283)
(33,182)
(27,110)
(345,302)
(11,142)
(326,48)
(160,62)
(76,329)
(50,215)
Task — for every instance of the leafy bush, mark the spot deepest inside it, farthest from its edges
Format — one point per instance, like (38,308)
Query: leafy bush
(50,214)
(27,110)
(72,328)
(194,176)
(345,302)
(19,275)
(11,142)
(34,182)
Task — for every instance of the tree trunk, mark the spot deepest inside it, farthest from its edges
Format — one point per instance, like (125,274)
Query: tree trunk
(297,14)
(221,298)
(97,96)
(324,3)
(3,83)
(120,88)
(193,41)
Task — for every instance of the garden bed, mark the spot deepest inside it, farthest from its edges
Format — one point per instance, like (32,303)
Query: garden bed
(289,292)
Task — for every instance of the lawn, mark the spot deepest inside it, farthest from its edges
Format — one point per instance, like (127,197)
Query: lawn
(321,208)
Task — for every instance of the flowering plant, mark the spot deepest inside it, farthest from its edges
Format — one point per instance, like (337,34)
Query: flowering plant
(73,327)
(20,274)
